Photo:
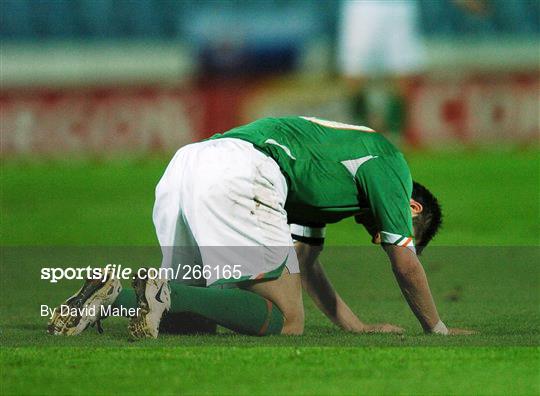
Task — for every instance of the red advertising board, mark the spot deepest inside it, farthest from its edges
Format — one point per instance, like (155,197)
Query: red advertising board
(475,109)
(465,110)
(98,120)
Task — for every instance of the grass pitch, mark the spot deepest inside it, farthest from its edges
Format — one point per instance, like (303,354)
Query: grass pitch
(483,269)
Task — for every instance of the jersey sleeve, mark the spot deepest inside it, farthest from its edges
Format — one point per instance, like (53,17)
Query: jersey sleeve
(386,185)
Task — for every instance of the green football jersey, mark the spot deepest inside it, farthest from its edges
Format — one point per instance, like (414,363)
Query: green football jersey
(336,170)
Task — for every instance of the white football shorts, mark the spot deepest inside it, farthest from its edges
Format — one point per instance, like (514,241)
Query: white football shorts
(219,215)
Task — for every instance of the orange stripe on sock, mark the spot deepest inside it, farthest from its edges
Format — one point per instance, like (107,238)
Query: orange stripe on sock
(407,242)
(266,323)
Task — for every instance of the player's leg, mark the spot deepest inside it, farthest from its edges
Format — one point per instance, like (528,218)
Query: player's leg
(255,307)
(286,293)
(262,307)
(259,308)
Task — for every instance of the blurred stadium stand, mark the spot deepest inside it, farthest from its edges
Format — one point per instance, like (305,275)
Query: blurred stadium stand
(250,36)
(213,51)
(169,19)
(501,18)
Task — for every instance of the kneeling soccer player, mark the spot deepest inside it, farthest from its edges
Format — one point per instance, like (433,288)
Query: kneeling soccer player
(239,199)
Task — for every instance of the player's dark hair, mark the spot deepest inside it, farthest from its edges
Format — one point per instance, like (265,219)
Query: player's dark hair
(427,223)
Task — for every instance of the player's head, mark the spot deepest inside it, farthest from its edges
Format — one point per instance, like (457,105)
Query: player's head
(427,216)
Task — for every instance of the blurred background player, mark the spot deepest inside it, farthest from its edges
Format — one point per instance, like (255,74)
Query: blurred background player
(379,49)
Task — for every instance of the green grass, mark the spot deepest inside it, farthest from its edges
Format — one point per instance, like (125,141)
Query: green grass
(268,370)
(484,273)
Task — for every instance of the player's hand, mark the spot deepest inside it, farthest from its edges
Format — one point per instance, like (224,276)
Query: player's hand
(381,328)
(461,332)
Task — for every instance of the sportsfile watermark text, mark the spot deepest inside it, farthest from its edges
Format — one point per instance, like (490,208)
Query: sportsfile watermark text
(118,271)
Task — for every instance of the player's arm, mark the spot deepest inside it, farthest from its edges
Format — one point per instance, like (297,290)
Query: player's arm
(386,185)
(319,287)
(413,282)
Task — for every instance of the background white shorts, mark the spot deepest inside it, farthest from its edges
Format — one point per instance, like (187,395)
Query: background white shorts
(221,204)
(379,37)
